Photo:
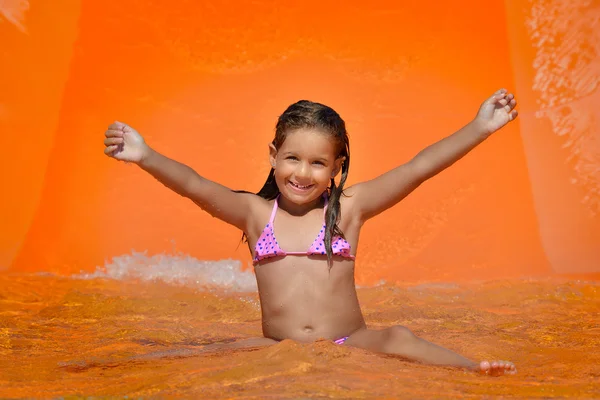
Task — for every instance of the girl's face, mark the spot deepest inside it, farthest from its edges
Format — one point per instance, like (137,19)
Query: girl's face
(305,164)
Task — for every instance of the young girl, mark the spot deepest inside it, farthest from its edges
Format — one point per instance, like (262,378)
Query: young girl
(303,228)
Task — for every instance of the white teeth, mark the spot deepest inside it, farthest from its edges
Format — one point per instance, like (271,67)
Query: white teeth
(300,186)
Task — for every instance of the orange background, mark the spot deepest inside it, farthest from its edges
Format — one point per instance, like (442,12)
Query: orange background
(204,83)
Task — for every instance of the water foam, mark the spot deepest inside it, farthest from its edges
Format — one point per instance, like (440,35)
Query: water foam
(180,269)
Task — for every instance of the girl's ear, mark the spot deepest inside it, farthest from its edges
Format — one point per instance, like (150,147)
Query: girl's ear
(272,155)
(338,166)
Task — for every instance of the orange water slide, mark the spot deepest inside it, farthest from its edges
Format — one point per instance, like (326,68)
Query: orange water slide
(204,83)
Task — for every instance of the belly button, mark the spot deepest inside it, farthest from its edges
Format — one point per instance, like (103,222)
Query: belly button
(308,329)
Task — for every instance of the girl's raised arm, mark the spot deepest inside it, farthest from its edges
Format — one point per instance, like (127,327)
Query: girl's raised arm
(372,197)
(126,144)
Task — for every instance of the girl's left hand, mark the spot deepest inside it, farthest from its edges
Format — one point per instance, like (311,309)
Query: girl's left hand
(497,111)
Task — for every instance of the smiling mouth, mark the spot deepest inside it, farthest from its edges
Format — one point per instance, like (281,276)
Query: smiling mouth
(300,187)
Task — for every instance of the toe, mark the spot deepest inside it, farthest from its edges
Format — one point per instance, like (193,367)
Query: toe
(497,368)
(484,367)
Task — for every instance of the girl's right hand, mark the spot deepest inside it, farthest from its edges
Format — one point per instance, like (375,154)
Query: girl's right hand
(124,143)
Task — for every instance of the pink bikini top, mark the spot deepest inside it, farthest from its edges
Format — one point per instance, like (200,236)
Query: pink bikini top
(267,246)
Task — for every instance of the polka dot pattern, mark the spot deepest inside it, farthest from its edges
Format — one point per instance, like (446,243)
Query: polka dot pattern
(267,246)
(339,245)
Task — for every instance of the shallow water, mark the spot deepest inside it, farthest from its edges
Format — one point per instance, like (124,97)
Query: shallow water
(106,337)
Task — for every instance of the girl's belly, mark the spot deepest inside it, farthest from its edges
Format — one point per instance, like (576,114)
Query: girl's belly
(307,329)
(306,302)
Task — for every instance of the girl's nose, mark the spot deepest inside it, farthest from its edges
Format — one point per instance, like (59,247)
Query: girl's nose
(303,170)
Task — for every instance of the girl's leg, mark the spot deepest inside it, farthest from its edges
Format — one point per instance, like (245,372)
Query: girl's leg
(184,353)
(401,341)
(240,344)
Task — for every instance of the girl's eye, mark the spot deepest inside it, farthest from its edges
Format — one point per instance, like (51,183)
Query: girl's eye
(318,163)
(291,158)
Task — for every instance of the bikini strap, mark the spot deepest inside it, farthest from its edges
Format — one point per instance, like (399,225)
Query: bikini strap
(275,205)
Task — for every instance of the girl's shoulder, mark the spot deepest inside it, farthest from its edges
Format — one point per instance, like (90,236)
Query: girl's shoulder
(347,199)
(260,210)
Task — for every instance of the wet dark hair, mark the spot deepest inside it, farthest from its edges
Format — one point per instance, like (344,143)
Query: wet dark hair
(307,114)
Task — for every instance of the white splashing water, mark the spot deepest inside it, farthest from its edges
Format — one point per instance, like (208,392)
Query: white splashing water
(14,12)
(566,36)
(179,269)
